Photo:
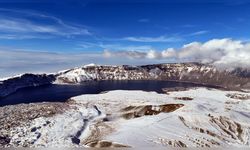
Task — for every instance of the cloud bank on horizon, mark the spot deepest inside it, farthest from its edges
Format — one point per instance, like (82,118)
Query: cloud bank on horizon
(220,52)
(223,53)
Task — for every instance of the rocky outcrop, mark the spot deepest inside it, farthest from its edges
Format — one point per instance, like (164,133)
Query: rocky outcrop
(26,80)
(20,115)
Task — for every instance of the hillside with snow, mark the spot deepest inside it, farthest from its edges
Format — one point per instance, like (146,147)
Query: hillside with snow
(197,117)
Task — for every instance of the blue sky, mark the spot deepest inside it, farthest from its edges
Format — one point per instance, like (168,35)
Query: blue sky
(92,26)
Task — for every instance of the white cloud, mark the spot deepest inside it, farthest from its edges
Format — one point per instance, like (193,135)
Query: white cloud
(220,52)
(133,47)
(217,51)
(125,47)
(20,37)
(115,46)
(132,54)
(22,24)
(199,33)
(124,54)
(152,54)
(168,53)
(152,39)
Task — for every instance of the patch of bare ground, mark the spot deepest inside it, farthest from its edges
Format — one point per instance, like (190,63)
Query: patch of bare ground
(174,89)
(238,96)
(97,132)
(201,142)
(103,92)
(230,128)
(131,112)
(105,144)
(184,98)
(65,80)
(172,143)
(230,131)
(230,104)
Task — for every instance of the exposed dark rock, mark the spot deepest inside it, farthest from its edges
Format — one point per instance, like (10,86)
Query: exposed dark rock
(38,135)
(47,122)
(75,140)
(239,96)
(4,140)
(26,80)
(33,129)
(184,98)
(105,119)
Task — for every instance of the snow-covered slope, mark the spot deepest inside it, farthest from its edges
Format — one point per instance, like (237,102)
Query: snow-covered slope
(194,118)
(205,118)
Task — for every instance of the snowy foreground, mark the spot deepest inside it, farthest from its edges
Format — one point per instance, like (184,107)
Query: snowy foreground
(193,118)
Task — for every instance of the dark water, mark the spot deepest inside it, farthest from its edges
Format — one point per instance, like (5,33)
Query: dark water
(60,93)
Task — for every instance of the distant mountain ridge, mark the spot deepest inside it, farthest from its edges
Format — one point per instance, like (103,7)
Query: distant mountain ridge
(238,78)
(186,72)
